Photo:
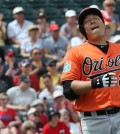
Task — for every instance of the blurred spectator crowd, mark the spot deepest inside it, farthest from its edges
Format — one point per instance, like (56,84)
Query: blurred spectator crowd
(31,61)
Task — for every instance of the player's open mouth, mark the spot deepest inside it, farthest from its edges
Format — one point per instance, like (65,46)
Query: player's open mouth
(93,28)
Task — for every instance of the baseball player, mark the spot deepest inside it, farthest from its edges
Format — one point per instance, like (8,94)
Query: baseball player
(91,76)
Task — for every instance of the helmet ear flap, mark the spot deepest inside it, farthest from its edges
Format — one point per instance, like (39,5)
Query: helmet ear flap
(82,30)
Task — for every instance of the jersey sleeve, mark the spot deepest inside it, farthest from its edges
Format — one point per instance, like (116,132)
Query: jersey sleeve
(72,66)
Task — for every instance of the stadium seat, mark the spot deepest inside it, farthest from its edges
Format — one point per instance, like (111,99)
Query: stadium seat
(63,10)
(84,3)
(61,3)
(7,14)
(19,59)
(76,8)
(60,21)
(1,3)
(117,10)
(37,3)
(29,13)
(52,13)
(117,33)
(14,3)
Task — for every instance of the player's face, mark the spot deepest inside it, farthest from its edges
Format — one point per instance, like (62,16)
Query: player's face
(94,26)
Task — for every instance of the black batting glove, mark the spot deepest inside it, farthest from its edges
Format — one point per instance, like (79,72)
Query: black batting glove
(106,80)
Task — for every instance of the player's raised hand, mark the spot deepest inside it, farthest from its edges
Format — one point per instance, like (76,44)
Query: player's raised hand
(106,80)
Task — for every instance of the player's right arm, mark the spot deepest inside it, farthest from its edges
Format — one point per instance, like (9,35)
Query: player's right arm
(71,77)
(79,87)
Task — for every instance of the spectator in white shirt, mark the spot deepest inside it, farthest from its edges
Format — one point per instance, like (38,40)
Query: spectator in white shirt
(21,96)
(33,41)
(77,40)
(47,92)
(18,29)
(69,28)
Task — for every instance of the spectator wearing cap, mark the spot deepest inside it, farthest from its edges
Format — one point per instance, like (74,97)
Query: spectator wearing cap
(26,68)
(38,65)
(8,117)
(18,29)
(21,96)
(33,115)
(61,102)
(53,72)
(109,13)
(47,92)
(65,117)
(2,30)
(28,127)
(42,24)
(10,65)
(69,29)
(55,45)
(5,81)
(54,126)
(33,41)
(39,105)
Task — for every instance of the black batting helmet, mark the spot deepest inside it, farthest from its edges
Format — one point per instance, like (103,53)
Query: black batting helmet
(83,14)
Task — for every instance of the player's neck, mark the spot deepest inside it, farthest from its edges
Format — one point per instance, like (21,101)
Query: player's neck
(98,42)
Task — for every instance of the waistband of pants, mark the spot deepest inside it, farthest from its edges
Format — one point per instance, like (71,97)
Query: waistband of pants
(106,111)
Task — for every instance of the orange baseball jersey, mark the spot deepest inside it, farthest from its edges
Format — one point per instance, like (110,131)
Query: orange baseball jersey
(86,62)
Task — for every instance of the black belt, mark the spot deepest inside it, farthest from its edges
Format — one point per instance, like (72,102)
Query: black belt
(107,111)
